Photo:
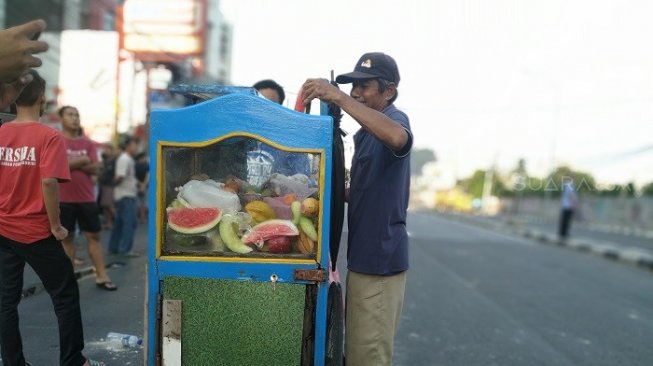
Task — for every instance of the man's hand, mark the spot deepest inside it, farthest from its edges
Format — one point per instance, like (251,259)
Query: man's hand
(17,49)
(59,232)
(320,89)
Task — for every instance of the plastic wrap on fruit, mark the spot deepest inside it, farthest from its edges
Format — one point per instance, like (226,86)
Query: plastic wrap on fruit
(209,193)
(298,184)
(268,230)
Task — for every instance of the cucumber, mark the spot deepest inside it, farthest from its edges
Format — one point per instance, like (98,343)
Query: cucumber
(307,227)
(228,233)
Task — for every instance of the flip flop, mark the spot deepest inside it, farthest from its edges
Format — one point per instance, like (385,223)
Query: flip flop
(106,285)
(90,362)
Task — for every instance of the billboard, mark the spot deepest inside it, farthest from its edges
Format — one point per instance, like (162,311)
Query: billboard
(87,79)
(158,30)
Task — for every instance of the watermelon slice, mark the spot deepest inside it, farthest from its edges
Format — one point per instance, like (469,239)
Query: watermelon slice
(270,229)
(193,220)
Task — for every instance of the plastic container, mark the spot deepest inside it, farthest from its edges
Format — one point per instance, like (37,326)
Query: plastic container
(126,340)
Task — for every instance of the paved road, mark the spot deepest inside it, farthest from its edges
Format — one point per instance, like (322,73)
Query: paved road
(473,298)
(580,230)
(479,298)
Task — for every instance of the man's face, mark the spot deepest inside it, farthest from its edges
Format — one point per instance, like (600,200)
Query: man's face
(367,92)
(270,94)
(70,119)
(132,148)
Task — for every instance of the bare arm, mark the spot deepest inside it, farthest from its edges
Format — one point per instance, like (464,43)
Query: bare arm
(50,188)
(91,168)
(390,133)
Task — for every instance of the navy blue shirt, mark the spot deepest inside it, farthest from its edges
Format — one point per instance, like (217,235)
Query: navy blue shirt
(378,200)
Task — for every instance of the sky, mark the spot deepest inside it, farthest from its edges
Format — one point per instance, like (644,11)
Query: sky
(484,82)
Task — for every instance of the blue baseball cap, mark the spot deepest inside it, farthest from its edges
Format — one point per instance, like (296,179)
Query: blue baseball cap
(372,65)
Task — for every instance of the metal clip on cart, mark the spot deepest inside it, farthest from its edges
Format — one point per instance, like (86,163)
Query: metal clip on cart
(238,256)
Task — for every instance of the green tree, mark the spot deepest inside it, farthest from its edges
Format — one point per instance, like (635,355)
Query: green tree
(647,190)
(474,184)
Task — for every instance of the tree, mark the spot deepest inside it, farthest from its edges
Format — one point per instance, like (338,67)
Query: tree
(419,158)
(647,190)
(474,185)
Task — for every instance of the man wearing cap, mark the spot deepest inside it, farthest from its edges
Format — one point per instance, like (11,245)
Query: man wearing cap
(377,252)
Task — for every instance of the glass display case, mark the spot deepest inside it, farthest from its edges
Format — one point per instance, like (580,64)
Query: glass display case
(240,196)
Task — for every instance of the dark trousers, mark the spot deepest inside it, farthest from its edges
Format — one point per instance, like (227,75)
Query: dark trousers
(55,270)
(565,222)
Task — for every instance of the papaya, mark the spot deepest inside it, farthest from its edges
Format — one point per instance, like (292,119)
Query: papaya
(305,245)
(260,211)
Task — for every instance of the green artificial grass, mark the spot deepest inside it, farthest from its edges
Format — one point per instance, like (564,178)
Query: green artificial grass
(238,322)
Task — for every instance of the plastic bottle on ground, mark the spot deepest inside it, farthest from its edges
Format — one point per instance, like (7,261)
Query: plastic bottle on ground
(126,340)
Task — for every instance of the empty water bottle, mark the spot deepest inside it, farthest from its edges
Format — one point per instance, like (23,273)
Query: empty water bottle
(126,340)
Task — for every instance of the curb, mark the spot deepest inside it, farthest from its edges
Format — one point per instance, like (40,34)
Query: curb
(38,287)
(633,256)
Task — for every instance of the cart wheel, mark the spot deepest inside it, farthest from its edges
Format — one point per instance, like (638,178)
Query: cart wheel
(335,326)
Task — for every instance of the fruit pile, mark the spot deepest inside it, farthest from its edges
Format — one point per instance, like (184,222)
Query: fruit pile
(208,214)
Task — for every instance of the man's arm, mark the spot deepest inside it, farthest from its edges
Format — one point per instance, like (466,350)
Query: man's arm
(78,162)
(50,188)
(390,133)
(91,168)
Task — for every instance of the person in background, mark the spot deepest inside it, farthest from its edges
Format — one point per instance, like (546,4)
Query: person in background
(107,174)
(271,90)
(33,161)
(143,176)
(377,251)
(125,193)
(265,159)
(78,204)
(568,205)
(17,49)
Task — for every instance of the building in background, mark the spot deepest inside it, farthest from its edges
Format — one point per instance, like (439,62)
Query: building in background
(164,42)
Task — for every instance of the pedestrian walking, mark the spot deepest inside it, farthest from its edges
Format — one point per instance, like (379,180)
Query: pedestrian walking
(568,206)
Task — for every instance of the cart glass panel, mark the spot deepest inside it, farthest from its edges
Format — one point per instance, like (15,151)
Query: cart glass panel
(241,196)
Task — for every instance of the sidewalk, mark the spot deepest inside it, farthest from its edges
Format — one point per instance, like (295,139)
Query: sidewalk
(639,256)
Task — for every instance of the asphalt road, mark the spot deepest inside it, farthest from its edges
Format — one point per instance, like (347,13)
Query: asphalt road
(473,297)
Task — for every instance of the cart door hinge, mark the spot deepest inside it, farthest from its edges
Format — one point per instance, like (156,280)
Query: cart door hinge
(317,275)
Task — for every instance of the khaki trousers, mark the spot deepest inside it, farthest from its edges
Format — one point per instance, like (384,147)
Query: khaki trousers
(373,310)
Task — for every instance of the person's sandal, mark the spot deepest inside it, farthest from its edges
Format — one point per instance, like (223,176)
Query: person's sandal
(106,285)
(90,362)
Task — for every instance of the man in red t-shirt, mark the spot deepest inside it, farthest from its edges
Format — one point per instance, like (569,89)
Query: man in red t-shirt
(78,203)
(32,163)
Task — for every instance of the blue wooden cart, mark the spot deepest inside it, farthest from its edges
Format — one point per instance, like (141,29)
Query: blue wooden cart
(206,303)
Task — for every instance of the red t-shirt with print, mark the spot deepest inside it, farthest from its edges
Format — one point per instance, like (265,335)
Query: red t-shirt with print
(29,153)
(80,187)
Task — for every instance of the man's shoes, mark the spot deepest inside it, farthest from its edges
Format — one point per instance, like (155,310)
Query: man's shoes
(132,254)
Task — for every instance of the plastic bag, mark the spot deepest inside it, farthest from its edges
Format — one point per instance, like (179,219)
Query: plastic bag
(209,193)
(298,184)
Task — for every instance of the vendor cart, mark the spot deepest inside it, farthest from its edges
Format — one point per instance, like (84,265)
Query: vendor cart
(238,254)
